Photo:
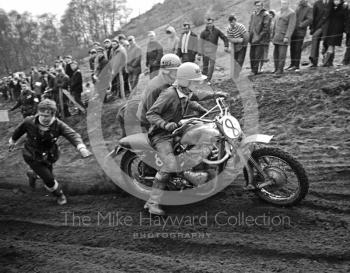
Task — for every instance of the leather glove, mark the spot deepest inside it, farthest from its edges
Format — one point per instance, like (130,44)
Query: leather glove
(170,126)
(203,110)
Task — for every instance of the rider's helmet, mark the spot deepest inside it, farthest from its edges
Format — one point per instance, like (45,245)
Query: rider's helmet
(47,104)
(189,72)
(170,61)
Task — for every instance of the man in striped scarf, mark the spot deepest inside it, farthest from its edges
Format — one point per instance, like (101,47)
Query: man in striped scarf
(238,36)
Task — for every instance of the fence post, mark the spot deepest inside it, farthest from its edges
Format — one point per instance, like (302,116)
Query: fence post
(61,103)
(121,80)
(233,66)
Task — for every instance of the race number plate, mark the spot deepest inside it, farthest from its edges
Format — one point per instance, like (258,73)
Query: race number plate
(231,126)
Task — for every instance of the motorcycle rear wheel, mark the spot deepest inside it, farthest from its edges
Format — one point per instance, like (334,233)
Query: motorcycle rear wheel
(130,165)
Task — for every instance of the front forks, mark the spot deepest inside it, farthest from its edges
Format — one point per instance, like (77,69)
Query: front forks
(245,155)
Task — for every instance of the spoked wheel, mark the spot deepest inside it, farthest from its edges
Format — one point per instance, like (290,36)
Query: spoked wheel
(134,168)
(288,180)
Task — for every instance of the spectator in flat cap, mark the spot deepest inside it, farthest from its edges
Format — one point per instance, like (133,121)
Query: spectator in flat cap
(92,57)
(108,48)
(100,62)
(118,65)
(259,36)
(67,68)
(76,83)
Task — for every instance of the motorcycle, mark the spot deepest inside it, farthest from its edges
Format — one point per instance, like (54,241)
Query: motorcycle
(204,148)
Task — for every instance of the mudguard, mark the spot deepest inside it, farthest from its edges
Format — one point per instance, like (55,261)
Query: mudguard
(136,142)
(258,138)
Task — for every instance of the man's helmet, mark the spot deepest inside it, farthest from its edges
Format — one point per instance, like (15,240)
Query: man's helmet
(170,61)
(47,104)
(189,72)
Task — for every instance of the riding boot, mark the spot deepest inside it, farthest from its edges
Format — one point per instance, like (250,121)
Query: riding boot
(327,59)
(153,202)
(57,191)
(32,177)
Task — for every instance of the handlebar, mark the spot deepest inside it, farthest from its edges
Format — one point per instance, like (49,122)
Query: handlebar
(220,103)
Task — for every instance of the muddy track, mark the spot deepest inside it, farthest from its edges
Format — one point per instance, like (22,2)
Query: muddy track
(313,236)
(311,240)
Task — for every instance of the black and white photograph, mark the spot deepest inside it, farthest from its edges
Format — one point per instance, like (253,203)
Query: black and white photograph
(187,136)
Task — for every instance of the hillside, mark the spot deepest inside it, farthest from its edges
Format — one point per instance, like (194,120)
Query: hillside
(176,12)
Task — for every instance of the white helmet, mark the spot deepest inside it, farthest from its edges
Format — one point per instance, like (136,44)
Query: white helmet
(170,61)
(189,72)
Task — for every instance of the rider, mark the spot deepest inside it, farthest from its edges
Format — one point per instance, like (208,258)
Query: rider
(139,105)
(167,76)
(28,100)
(40,150)
(164,116)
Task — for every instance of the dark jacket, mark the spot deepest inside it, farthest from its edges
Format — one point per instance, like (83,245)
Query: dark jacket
(101,62)
(51,81)
(28,101)
(347,20)
(149,96)
(169,108)
(109,53)
(208,42)
(76,82)
(259,28)
(41,146)
(61,81)
(304,19)
(192,48)
(16,88)
(92,63)
(336,28)
(154,54)
(321,16)
(44,84)
(68,70)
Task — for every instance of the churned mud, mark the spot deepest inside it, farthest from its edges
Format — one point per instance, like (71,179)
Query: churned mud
(232,231)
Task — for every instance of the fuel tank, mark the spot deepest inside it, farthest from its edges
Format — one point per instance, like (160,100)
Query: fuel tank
(199,134)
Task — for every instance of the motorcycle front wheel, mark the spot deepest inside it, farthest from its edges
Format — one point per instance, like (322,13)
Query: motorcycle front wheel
(289,182)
